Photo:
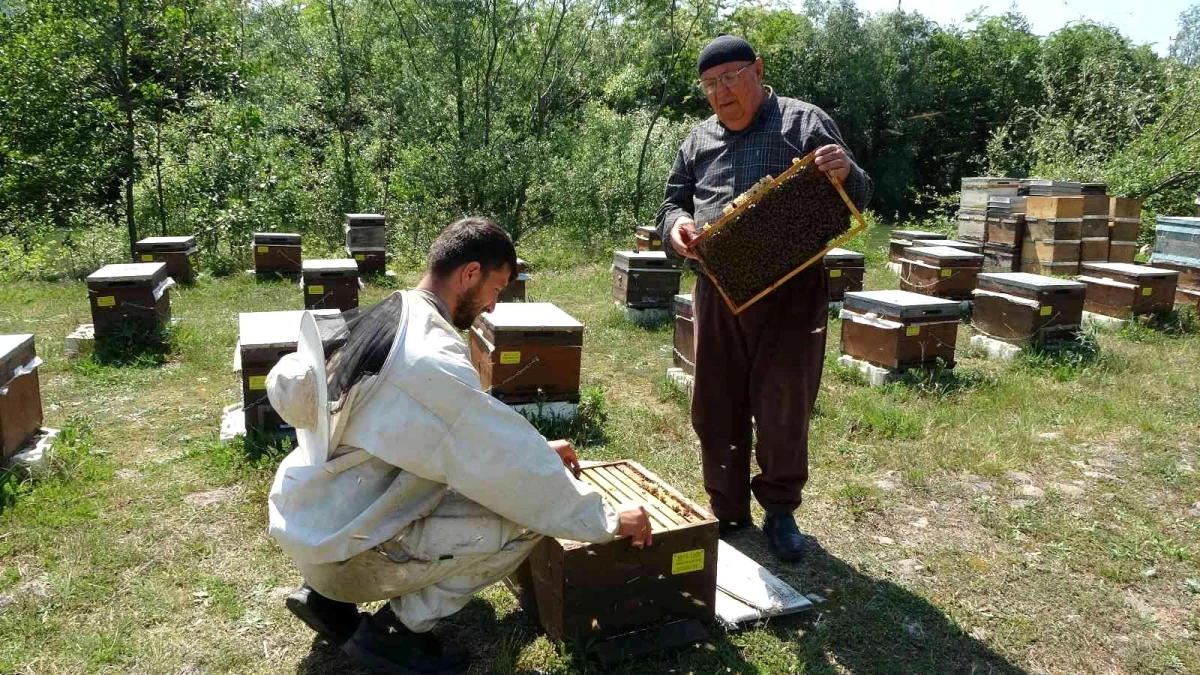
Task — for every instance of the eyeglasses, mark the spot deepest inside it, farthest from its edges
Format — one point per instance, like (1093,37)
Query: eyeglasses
(727,80)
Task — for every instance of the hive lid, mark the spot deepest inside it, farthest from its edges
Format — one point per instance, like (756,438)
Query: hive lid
(129,272)
(365,220)
(901,304)
(1186,221)
(278,237)
(331,265)
(1128,269)
(683,300)
(647,229)
(953,243)
(916,234)
(529,316)
(1093,188)
(976,182)
(642,260)
(13,343)
(1026,281)
(277,330)
(177,241)
(947,253)
(843,254)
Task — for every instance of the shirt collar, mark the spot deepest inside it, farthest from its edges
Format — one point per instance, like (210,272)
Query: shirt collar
(437,302)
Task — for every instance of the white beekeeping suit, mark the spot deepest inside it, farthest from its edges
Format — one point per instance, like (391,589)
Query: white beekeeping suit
(421,488)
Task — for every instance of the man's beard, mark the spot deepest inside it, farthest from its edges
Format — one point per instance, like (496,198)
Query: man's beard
(469,307)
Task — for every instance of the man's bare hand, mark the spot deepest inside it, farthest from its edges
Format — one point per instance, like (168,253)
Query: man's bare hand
(833,160)
(682,234)
(635,524)
(566,452)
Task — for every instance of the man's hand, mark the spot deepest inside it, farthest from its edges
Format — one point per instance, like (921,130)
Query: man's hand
(566,452)
(635,524)
(832,159)
(682,234)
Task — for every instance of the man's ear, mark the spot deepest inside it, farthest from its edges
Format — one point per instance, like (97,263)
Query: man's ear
(759,69)
(469,274)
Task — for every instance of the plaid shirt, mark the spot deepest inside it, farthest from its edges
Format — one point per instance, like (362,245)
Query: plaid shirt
(714,165)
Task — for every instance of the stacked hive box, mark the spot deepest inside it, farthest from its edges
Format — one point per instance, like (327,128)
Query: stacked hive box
(968,246)
(330,284)
(515,290)
(1121,289)
(1095,231)
(263,339)
(130,299)
(178,253)
(528,353)
(1025,309)
(684,347)
(902,239)
(277,253)
(644,279)
(1053,227)
(648,239)
(20,393)
(1177,247)
(366,241)
(940,271)
(985,202)
(1125,219)
(1041,187)
(899,330)
(845,270)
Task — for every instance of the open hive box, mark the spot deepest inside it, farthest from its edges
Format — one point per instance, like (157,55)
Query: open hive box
(600,591)
(775,231)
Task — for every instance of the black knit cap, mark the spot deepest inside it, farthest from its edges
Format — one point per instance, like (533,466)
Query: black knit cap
(723,49)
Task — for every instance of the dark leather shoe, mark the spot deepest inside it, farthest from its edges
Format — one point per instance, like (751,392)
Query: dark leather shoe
(727,526)
(783,537)
(332,620)
(385,645)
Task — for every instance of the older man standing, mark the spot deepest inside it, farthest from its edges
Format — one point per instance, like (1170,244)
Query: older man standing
(765,363)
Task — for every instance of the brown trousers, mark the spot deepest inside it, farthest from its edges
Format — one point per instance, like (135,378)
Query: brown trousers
(763,364)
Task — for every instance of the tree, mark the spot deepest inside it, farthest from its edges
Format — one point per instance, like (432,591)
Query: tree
(1185,48)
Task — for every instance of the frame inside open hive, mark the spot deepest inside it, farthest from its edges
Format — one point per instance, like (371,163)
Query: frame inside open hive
(775,231)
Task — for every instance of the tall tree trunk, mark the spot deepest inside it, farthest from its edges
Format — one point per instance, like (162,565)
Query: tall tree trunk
(130,145)
(158,181)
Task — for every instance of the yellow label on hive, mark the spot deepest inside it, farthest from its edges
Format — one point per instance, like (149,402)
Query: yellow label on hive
(258,382)
(1045,311)
(912,330)
(106,301)
(316,290)
(510,358)
(146,257)
(360,257)
(835,273)
(687,561)
(1147,291)
(262,249)
(946,273)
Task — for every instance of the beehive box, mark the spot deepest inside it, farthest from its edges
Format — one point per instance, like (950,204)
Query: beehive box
(593,592)
(330,284)
(1177,240)
(369,261)
(1001,259)
(1121,289)
(179,253)
(515,290)
(277,252)
(845,270)
(1043,187)
(972,225)
(20,393)
(902,239)
(1005,231)
(1053,207)
(526,352)
(968,246)
(648,239)
(365,232)
(1124,207)
(940,271)
(1027,308)
(131,297)
(1051,246)
(684,341)
(644,279)
(899,330)
(977,192)
(263,339)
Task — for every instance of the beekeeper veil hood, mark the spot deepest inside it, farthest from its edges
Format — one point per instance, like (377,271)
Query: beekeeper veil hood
(297,389)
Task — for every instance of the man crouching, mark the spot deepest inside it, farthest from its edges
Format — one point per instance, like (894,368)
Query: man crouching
(409,483)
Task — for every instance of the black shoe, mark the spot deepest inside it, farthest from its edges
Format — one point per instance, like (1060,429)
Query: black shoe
(332,620)
(783,537)
(727,526)
(385,645)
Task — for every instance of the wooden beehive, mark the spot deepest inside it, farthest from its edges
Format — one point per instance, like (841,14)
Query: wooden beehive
(775,231)
(968,246)
(20,393)
(898,329)
(1125,220)
(277,253)
(1040,208)
(593,592)
(902,239)
(1001,259)
(515,290)
(644,279)
(526,352)
(844,270)
(1005,232)
(1122,289)
(1051,245)
(179,253)
(940,271)
(1026,309)
(263,339)
(330,284)
(972,225)
(369,261)
(365,232)
(684,340)
(133,297)
(648,239)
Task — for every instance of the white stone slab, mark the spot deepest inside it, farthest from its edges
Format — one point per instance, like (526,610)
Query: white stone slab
(551,410)
(681,380)
(233,422)
(1102,321)
(81,341)
(34,457)
(875,376)
(995,349)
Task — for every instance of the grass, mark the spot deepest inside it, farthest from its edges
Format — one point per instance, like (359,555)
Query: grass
(1035,516)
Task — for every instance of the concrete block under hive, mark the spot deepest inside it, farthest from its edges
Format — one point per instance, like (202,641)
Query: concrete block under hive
(1120,289)
(179,253)
(684,340)
(129,299)
(263,339)
(528,352)
(648,239)
(20,393)
(366,241)
(644,279)
(596,592)
(1024,309)
(902,239)
(899,330)
(277,253)
(330,284)
(940,271)
(515,290)
(844,270)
